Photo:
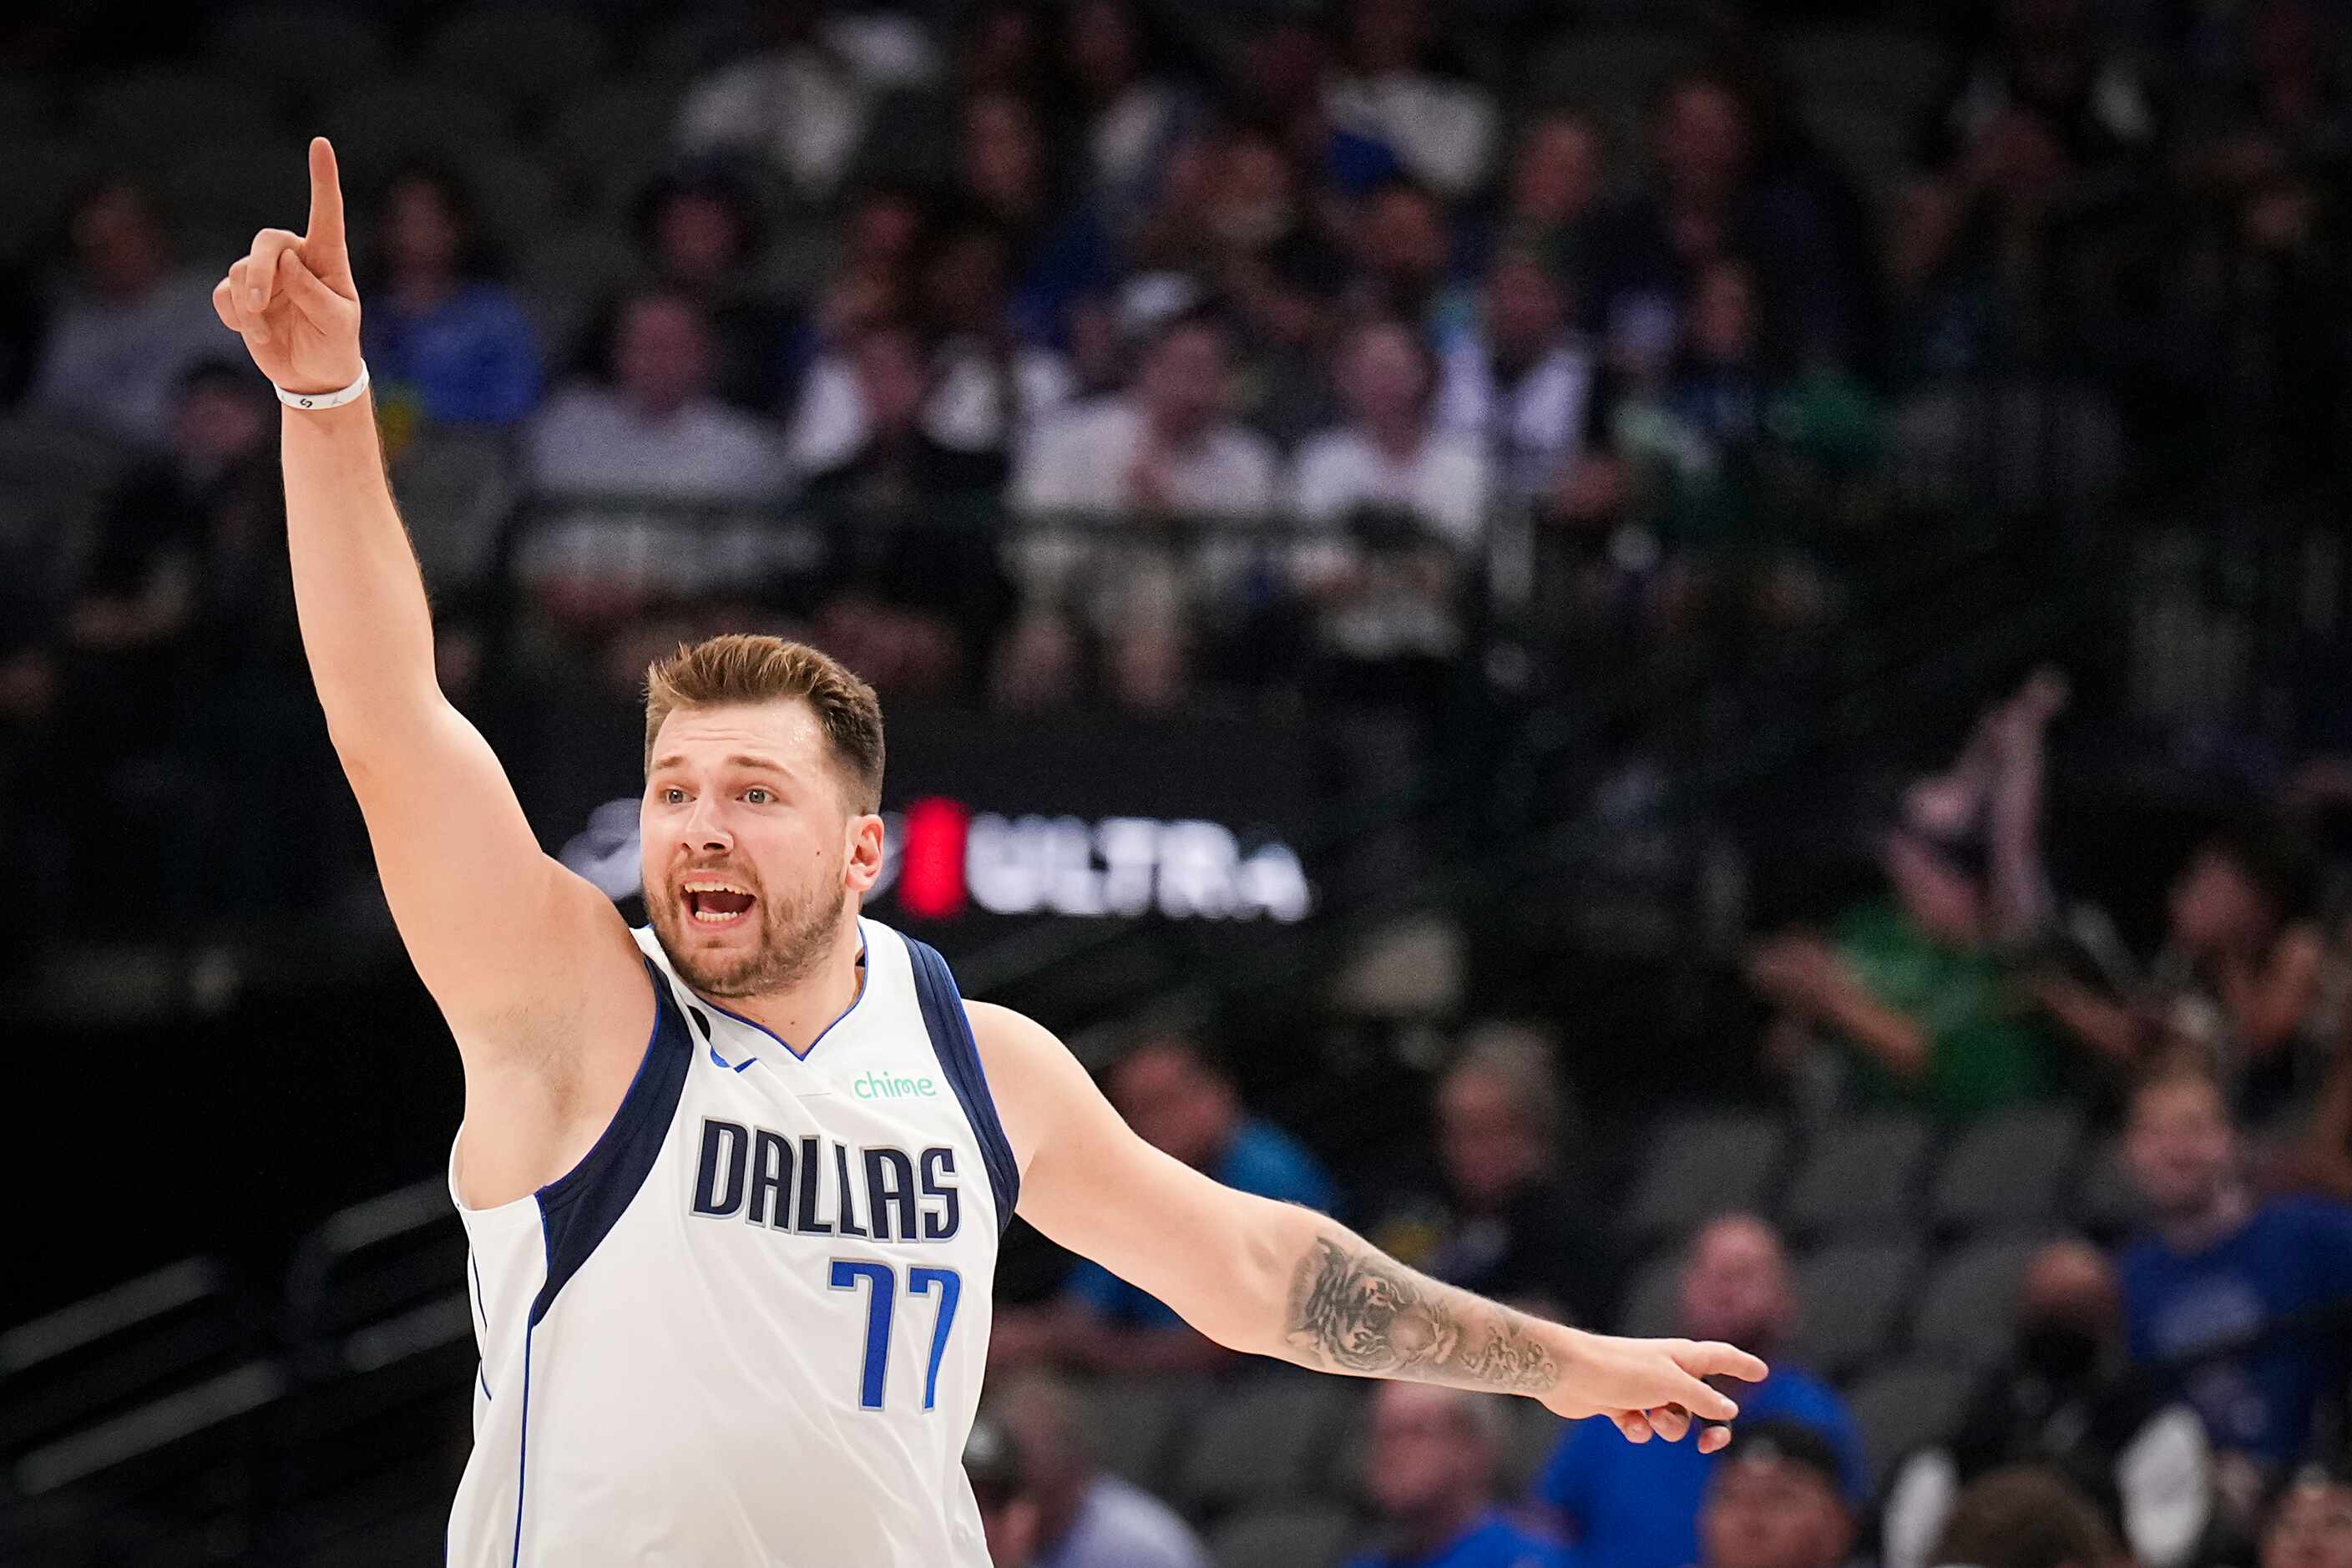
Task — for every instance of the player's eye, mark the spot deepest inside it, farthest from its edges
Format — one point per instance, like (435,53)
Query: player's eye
(758,794)
(672,796)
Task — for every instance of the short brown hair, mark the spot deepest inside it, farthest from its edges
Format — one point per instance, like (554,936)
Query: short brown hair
(742,667)
(2025,1516)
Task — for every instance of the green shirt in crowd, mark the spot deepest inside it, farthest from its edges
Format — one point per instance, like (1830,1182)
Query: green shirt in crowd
(1984,1048)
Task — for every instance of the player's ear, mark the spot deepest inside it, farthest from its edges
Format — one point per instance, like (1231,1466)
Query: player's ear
(864,862)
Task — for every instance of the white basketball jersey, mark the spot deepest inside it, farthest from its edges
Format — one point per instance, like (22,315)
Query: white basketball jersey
(749,1327)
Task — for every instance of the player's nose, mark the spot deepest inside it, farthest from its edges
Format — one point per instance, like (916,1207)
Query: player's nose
(705,827)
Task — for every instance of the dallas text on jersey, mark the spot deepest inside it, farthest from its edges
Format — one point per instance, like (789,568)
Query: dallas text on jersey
(751,1170)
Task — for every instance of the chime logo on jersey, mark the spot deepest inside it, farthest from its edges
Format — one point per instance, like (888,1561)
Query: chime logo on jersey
(813,1186)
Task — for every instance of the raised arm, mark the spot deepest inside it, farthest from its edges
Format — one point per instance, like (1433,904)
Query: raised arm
(1278,1280)
(533,967)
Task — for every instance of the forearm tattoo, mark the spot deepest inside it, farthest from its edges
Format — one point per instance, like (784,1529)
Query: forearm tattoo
(1359,1311)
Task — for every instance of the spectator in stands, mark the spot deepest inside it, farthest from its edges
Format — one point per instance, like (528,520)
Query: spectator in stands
(2067,1402)
(1061,252)
(1711,201)
(1555,197)
(698,229)
(2043,127)
(995,388)
(1133,115)
(183,641)
(1183,1103)
(1287,82)
(1443,128)
(1776,1499)
(912,591)
(1520,382)
(1432,1473)
(1008,1510)
(1504,1220)
(653,433)
(2325,1166)
(445,342)
(1236,213)
(1637,1506)
(1404,261)
(2241,1306)
(2025,1517)
(2241,979)
(1410,500)
(802,101)
(1085,1518)
(2310,1522)
(119,339)
(1918,985)
(1163,448)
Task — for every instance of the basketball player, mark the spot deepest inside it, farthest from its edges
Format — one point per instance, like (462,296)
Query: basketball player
(733,1182)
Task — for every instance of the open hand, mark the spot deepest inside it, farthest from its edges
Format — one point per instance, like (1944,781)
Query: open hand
(291,297)
(1654,1387)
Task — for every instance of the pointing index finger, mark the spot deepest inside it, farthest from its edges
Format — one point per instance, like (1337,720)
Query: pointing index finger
(324,235)
(1711,1359)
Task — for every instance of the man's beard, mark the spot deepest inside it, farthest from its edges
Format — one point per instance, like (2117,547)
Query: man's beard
(793,940)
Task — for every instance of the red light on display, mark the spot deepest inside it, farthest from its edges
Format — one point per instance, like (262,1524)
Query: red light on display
(930,864)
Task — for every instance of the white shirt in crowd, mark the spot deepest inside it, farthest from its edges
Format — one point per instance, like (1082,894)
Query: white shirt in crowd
(116,363)
(1532,430)
(1083,461)
(1442,132)
(804,110)
(1396,609)
(967,409)
(592,443)
(1122,1526)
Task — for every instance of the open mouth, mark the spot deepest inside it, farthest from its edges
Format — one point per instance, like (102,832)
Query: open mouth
(716,905)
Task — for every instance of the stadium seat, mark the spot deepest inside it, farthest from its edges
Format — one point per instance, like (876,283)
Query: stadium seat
(41,178)
(378,126)
(1862,1173)
(541,55)
(2007,1170)
(1851,1295)
(142,114)
(2104,1202)
(1136,1425)
(1651,1305)
(514,195)
(380,1325)
(1270,1439)
(1307,1536)
(143,1398)
(1968,1308)
(218,192)
(455,488)
(1904,1405)
(607,144)
(1879,70)
(1697,1166)
(567,277)
(297,46)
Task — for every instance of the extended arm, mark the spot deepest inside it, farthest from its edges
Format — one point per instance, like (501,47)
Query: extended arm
(1278,1280)
(533,967)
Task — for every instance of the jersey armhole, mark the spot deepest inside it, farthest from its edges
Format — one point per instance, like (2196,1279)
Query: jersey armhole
(578,1208)
(959,1054)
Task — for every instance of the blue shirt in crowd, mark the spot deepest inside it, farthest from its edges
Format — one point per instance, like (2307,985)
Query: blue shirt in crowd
(2293,1255)
(1635,1505)
(1493,1542)
(1261,1159)
(470,360)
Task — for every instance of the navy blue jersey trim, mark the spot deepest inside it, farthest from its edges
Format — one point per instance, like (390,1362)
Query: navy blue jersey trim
(522,1446)
(579,1209)
(951,1042)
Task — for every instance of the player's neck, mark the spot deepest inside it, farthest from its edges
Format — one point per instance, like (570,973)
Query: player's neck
(804,1009)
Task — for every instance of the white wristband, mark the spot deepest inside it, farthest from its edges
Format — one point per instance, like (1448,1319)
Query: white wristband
(316,400)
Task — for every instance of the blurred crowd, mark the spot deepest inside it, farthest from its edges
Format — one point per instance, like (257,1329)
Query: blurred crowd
(1105,352)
